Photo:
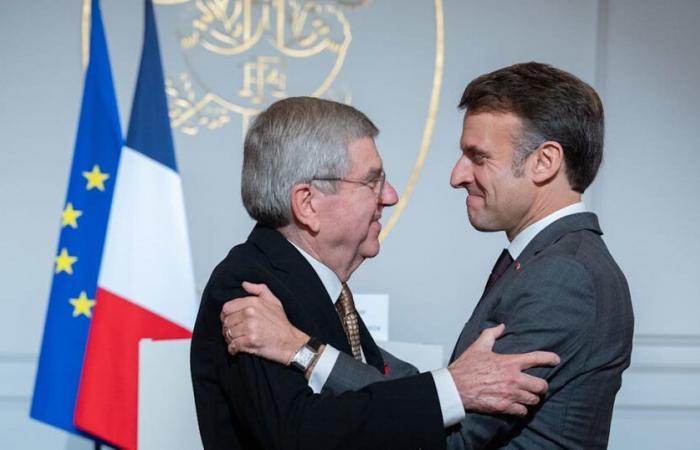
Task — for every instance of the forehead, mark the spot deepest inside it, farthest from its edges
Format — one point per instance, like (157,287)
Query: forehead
(363,155)
(487,130)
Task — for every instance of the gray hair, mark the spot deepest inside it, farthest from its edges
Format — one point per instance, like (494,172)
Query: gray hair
(294,141)
(525,144)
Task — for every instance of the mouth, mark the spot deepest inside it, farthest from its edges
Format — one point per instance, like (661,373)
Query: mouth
(472,190)
(473,199)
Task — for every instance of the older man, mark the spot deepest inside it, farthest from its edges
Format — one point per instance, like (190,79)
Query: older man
(314,182)
(531,144)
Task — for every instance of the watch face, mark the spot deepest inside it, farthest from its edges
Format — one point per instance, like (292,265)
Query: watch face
(304,357)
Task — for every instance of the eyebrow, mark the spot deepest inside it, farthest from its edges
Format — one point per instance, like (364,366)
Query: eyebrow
(373,173)
(473,149)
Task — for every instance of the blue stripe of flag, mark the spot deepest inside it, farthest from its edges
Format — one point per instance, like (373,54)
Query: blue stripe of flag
(149,126)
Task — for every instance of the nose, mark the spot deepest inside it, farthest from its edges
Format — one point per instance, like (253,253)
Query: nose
(389,196)
(462,173)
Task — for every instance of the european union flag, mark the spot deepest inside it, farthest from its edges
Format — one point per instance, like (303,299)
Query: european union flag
(83,226)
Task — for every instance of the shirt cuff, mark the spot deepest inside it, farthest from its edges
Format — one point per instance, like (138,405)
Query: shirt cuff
(450,401)
(323,368)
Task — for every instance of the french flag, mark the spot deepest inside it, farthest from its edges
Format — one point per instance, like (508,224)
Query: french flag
(146,285)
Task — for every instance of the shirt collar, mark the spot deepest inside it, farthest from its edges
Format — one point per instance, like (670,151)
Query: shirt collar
(523,238)
(328,278)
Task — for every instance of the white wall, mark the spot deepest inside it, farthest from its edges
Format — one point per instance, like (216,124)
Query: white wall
(649,77)
(640,54)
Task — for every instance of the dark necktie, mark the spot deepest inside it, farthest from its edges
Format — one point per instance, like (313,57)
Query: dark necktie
(348,317)
(502,264)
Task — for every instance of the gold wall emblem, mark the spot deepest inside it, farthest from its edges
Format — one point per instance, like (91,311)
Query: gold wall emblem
(261,45)
(238,56)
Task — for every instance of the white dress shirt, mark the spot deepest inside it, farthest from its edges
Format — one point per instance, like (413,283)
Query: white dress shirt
(523,238)
(448,396)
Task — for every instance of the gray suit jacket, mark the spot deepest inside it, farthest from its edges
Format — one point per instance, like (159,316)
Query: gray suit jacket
(348,374)
(565,294)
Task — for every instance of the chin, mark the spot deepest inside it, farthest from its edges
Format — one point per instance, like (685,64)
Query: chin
(477,224)
(370,250)
(484,227)
(473,219)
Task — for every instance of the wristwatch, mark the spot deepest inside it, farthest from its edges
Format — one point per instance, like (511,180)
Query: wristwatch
(306,355)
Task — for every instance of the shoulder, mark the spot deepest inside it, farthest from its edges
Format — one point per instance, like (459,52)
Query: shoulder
(554,268)
(551,287)
(579,256)
(243,262)
(240,259)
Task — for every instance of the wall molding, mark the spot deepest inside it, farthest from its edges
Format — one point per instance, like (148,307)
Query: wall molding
(667,340)
(658,360)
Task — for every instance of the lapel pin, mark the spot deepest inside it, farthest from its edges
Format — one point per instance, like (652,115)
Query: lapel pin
(517,265)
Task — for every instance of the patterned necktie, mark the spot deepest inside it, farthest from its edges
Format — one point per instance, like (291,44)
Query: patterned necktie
(504,261)
(348,317)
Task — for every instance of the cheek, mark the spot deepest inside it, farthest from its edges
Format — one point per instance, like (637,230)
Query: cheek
(499,182)
(513,193)
(358,221)
(370,244)
(370,228)
(484,180)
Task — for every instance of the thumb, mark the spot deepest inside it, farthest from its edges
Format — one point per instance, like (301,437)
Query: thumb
(488,337)
(261,291)
(253,288)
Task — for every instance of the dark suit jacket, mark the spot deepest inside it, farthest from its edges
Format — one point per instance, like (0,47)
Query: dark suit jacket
(564,294)
(248,402)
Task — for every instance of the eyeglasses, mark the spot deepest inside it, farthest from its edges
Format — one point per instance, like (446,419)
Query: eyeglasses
(376,184)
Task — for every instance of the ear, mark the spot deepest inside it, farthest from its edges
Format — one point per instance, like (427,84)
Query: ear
(304,206)
(547,162)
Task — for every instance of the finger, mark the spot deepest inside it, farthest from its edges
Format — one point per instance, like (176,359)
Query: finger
(236,304)
(254,288)
(262,291)
(532,384)
(488,337)
(244,334)
(226,333)
(238,323)
(232,320)
(240,345)
(516,409)
(266,295)
(244,321)
(536,359)
(527,398)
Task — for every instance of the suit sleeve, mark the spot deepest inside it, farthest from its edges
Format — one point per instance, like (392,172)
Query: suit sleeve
(275,409)
(349,374)
(551,308)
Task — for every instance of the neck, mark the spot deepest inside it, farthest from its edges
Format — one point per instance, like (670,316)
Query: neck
(544,205)
(309,243)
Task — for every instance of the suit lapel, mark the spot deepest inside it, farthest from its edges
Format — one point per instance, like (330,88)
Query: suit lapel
(301,281)
(544,239)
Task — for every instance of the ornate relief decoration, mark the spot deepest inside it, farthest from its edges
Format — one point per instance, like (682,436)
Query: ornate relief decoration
(263,50)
